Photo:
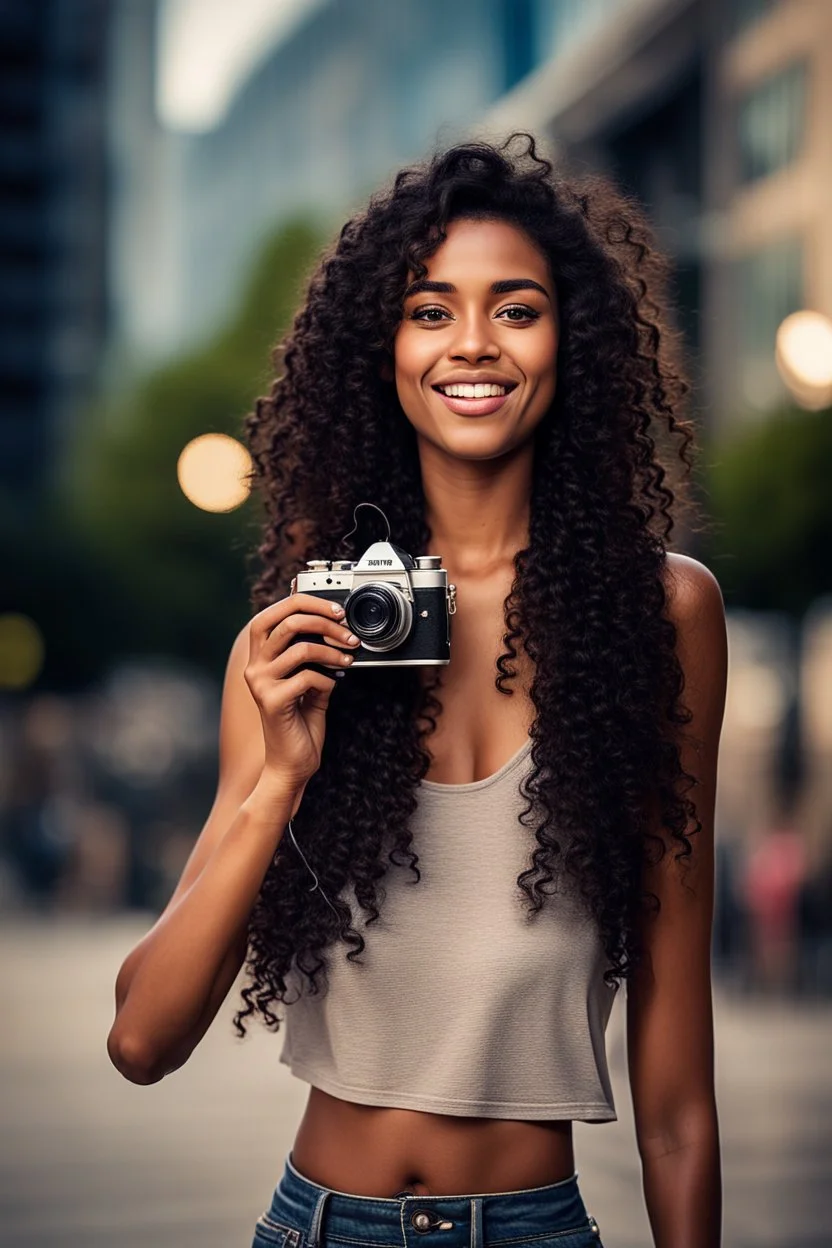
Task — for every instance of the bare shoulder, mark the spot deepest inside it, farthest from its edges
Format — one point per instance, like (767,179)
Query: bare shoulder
(696,608)
(692,589)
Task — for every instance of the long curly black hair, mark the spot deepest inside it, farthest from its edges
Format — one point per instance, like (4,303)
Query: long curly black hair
(588,596)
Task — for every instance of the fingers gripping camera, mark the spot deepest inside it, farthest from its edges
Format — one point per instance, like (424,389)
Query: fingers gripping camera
(398,607)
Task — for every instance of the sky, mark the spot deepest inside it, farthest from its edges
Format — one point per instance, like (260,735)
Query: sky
(208,47)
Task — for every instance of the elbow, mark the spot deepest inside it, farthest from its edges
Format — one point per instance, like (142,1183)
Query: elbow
(694,1125)
(134,1058)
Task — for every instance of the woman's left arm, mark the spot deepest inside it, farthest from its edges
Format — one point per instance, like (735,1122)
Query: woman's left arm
(670,1040)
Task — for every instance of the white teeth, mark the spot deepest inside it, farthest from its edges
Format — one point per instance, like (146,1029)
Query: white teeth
(484,390)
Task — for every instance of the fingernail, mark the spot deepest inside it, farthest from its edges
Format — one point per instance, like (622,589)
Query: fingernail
(352,639)
(337,608)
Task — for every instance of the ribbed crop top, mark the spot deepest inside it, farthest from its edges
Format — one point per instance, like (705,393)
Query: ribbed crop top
(463,1006)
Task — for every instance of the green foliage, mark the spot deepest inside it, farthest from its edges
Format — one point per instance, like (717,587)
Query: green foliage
(770,497)
(179,573)
(55,581)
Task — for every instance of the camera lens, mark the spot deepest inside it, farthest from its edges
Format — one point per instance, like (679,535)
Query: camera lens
(369,614)
(379,615)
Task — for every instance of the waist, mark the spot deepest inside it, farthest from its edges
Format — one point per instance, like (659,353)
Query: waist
(455,1221)
(378,1151)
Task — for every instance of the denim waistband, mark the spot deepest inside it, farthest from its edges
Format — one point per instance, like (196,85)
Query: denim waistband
(471,1220)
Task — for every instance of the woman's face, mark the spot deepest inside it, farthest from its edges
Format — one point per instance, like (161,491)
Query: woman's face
(485,313)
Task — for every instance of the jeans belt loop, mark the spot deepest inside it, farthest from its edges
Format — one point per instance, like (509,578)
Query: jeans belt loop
(317,1217)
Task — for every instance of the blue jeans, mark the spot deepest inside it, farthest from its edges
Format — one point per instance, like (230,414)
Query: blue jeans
(304,1215)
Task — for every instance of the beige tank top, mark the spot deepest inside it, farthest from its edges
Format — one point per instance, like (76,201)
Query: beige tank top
(463,1006)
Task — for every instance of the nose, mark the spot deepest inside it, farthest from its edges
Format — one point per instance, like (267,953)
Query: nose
(474,340)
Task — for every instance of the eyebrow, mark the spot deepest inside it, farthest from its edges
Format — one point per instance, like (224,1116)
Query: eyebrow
(425,285)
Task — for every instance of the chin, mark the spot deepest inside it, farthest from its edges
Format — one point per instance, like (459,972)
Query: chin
(476,444)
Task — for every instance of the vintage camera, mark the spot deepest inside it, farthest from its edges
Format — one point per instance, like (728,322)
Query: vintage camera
(399,607)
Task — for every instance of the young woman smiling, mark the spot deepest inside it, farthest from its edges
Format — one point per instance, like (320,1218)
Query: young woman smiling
(479,354)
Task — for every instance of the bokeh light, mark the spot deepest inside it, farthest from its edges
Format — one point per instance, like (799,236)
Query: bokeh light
(211,471)
(21,651)
(804,357)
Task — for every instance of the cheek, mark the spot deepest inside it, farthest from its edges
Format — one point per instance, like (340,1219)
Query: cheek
(410,357)
(545,357)
(411,365)
(547,372)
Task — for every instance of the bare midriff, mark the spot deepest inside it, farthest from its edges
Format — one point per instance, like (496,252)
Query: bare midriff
(369,1150)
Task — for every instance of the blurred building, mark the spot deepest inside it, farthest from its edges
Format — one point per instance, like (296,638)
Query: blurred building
(53,236)
(768,185)
(113,228)
(358,88)
(716,113)
(146,204)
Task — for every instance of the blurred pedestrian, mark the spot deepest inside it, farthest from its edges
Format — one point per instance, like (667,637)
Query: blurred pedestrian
(814,929)
(774,873)
(38,830)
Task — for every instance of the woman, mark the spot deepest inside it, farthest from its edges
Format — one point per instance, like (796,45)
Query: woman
(540,779)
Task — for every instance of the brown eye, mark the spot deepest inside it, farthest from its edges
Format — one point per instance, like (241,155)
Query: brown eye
(421,314)
(525,314)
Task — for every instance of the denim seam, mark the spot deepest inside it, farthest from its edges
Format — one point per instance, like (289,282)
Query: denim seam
(492,1243)
(271,1230)
(535,1239)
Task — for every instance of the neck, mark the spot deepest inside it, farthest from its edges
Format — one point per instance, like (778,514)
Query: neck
(477,510)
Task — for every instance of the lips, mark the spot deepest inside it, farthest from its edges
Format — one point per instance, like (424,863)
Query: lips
(475,407)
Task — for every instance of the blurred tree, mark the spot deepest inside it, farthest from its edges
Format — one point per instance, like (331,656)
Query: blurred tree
(769,492)
(62,587)
(179,573)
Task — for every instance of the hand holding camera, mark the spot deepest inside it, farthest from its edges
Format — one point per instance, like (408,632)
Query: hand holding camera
(387,609)
(292,697)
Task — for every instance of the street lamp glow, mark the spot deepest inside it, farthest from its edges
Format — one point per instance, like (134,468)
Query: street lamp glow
(804,357)
(211,471)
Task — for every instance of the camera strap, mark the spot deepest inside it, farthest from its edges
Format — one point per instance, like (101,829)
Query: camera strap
(317,883)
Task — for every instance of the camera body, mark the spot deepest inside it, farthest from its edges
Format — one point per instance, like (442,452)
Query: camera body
(399,607)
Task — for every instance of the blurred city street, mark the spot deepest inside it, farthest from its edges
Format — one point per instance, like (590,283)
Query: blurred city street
(89,1160)
(174,173)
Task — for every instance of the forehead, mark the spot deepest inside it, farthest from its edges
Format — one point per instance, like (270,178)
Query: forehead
(483,251)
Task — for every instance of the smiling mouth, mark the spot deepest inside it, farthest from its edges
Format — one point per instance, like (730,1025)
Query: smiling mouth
(468,400)
(480,390)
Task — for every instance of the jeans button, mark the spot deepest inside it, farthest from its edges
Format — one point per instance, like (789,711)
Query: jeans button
(424,1220)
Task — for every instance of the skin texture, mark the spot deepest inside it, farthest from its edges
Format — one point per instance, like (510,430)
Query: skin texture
(559,498)
(669,1012)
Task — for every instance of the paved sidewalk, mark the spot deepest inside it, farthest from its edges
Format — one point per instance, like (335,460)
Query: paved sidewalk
(88,1160)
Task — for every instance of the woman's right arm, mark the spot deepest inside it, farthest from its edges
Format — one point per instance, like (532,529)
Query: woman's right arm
(172,984)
